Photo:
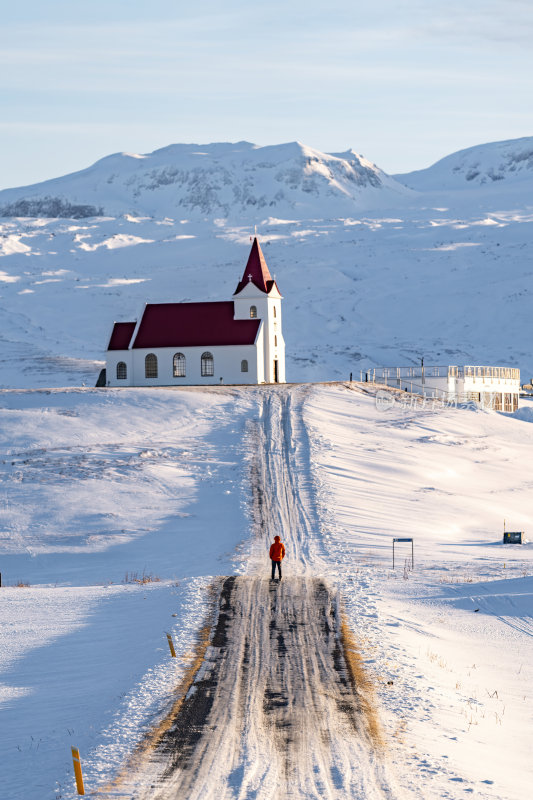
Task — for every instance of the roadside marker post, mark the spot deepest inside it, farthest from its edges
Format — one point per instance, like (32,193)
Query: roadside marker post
(171,645)
(412,550)
(77,770)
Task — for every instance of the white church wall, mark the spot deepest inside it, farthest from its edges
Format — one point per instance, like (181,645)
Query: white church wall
(114,357)
(226,366)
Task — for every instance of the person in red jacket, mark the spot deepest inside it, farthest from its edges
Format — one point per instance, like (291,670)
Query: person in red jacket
(277,554)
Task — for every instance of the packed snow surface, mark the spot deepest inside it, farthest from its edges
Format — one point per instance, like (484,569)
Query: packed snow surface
(447,641)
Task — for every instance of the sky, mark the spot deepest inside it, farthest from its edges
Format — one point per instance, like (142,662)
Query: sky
(403,82)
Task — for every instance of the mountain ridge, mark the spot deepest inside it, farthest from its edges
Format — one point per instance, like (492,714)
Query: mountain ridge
(483,165)
(217,179)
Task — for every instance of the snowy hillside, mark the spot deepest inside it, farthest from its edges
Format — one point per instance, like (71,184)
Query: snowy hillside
(441,274)
(224,180)
(484,165)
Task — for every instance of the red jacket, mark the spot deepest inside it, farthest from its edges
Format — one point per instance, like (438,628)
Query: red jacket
(277,550)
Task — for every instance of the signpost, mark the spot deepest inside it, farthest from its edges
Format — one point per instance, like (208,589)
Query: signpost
(412,550)
(513,537)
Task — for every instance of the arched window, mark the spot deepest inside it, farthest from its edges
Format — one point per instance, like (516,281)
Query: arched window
(208,365)
(179,365)
(122,371)
(275,341)
(150,366)
(275,313)
(244,365)
(253,312)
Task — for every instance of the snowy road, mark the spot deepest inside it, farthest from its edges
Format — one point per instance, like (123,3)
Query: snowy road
(273,712)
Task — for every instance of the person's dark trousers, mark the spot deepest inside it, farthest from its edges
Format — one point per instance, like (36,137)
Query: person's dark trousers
(274,565)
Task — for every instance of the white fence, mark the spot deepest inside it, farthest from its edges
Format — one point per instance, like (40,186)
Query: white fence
(382,374)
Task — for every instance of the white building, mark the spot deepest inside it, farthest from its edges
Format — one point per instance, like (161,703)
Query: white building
(188,344)
(492,387)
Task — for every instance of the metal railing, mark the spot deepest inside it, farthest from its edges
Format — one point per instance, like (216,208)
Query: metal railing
(378,374)
(498,401)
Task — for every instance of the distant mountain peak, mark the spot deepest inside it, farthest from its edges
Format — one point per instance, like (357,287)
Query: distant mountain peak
(484,165)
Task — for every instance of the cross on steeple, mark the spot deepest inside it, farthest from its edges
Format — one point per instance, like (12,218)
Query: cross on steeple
(256,271)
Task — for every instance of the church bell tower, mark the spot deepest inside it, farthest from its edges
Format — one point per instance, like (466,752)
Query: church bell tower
(257,296)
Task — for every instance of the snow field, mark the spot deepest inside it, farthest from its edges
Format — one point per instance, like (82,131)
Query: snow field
(348,305)
(100,487)
(455,684)
(90,668)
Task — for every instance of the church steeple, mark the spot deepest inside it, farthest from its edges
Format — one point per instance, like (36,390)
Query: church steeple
(256,271)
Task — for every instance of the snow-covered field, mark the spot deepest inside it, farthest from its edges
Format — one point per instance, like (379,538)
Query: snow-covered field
(454,636)
(99,487)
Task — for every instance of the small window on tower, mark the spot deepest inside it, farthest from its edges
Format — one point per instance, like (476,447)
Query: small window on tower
(275,313)
(253,312)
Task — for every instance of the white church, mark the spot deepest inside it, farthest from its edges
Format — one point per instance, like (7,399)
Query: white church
(200,344)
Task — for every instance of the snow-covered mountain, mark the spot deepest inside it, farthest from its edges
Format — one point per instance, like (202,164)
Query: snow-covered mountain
(223,180)
(496,164)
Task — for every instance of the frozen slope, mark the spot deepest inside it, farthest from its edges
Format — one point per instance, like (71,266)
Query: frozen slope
(237,181)
(362,291)
(496,165)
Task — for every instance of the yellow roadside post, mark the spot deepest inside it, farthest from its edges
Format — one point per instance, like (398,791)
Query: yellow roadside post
(77,770)
(171,645)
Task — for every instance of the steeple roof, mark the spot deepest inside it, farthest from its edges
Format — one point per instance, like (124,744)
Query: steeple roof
(256,271)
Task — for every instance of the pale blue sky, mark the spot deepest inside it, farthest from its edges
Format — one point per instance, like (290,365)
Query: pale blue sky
(403,82)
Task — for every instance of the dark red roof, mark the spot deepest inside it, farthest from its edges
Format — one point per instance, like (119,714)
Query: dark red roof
(193,325)
(121,335)
(256,271)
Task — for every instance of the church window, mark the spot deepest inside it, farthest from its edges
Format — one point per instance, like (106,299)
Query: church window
(122,371)
(275,313)
(275,341)
(208,365)
(150,366)
(179,365)
(244,365)
(253,312)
